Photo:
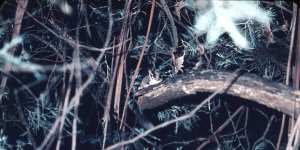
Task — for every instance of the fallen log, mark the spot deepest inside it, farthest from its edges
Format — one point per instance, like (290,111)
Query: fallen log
(248,87)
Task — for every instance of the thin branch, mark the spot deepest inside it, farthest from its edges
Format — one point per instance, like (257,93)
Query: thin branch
(134,76)
(221,128)
(171,19)
(21,8)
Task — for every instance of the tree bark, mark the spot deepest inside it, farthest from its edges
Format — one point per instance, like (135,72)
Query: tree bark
(248,87)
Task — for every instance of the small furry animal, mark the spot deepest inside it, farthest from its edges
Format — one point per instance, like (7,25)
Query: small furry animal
(216,17)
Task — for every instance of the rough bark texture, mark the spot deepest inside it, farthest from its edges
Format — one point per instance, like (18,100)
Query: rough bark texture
(249,87)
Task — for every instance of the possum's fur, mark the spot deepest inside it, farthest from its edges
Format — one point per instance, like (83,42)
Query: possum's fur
(216,17)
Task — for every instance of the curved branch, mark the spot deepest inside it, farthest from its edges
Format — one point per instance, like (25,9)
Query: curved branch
(249,87)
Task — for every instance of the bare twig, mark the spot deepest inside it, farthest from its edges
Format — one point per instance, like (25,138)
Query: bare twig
(117,69)
(171,19)
(293,142)
(71,41)
(21,8)
(78,79)
(134,76)
(288,72)
(292,137)
(24,121)
(263,137)
(222,127)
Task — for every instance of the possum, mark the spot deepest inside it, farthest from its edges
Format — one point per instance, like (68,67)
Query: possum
(216,17)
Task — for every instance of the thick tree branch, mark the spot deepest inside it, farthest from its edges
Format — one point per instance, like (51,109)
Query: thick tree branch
(249,87)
